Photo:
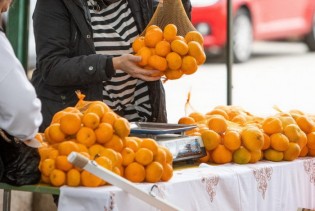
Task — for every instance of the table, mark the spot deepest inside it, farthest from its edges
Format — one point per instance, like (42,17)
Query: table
(261,186)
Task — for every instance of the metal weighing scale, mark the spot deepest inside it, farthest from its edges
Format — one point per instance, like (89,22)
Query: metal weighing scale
(172,136)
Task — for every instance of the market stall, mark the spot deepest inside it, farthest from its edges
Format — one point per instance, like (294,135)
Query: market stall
(262,186)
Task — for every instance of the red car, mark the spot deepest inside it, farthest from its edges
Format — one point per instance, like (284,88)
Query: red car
(254,20)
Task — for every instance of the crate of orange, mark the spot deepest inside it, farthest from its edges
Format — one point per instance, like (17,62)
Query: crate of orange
(95,131)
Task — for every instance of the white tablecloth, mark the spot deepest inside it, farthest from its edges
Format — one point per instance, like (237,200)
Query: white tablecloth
(264,186)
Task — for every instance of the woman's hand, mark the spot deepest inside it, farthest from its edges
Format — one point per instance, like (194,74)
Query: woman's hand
(128,64)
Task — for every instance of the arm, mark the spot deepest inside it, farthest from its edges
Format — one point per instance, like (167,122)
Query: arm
(63,67)
(20,114)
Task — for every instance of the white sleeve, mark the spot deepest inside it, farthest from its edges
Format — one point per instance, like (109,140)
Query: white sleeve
(20,109)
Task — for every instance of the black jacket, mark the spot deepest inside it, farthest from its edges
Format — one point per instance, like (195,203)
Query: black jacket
(66,59)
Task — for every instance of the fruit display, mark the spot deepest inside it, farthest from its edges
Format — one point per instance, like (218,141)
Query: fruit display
(231,134)
(173,55)
(95,131)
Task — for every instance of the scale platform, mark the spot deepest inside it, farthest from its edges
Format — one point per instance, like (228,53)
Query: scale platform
(172,136)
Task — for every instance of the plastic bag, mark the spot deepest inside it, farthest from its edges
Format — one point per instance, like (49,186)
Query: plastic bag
(20,162)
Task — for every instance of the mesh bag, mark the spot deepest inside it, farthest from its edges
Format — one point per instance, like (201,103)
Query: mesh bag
(171,11)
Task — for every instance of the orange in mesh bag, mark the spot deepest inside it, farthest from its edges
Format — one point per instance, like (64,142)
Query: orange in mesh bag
(170,43)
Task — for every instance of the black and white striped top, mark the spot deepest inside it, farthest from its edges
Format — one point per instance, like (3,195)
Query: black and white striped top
(114,30)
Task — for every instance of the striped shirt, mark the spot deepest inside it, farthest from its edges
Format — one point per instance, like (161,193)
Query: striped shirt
(114,30)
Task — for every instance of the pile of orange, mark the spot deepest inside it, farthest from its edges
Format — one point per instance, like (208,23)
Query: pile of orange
(231,134)
(98,133)
(173,55)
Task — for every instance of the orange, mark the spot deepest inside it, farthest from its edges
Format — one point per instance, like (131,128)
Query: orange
(170,32)
(122,127)
(144,156)
(186,120)
(131,143)
(221,155)
(272,125)
(86,136)
(66,147)
(217,123)
(194,36)
(98,108)
(82,148)
(104,132)
(70,123)
(145,54)
(273,155)
(109,117)
(47,136)
(196,50)
(293,132)
(119,159)
(167,172)
(55,133)
(311,152)
(138,43)
(232,140)
(173,74)
(266,141)
(286,120)
(157,62)
(279,142)
(174,61)
(91,120)
(128,156)
(135,172)
(45,152)
(304,152)
(205,158)
(219,111)
(62,163)
(73,178)
(311,140)
(151,27)
(252,138)
(302,140)
(44,179)
(57,178)
(116,143)
(197,116)
(189,65)
(57,116)
(105,163)
(47,166)
(255,156)
(160,156)
(153,36)
(179,37)
(211,139)
(95,150)
(90,180)
(241,156)
(180,47)
(292,152)
(153,172)
(239,119)
(110,154)
(150,144)
(305,123)
(162,48)
(169,155)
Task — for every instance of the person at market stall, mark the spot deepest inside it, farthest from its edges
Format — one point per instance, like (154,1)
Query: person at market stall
(86,45)
(20,109)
